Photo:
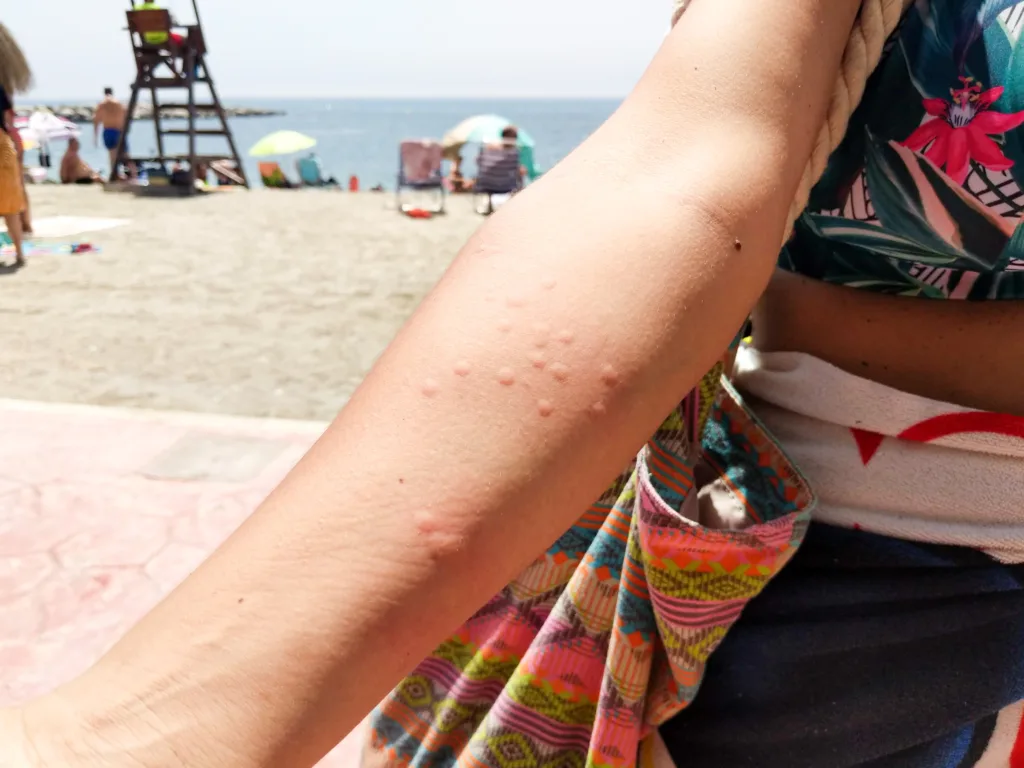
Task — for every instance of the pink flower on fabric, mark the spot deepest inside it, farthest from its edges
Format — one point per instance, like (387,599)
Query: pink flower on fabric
(959,130)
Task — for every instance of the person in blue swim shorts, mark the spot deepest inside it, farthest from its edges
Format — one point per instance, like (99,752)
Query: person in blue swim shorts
(110,115)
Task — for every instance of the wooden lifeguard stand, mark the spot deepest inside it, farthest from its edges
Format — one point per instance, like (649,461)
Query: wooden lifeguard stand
(177,64)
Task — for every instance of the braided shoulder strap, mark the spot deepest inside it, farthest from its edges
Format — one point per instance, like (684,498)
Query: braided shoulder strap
(875,22)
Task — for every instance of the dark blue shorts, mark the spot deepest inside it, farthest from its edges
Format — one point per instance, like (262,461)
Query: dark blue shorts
(110,138)
(865,651)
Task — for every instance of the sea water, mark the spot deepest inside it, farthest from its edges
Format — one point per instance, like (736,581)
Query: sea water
(361,137)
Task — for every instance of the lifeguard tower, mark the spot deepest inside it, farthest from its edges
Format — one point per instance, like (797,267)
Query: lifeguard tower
(177,62)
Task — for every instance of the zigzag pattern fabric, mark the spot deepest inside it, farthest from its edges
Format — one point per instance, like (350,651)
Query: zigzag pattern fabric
(606,635)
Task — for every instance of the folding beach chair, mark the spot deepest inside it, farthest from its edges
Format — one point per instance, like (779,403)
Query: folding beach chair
(226,173)
(498,173)
(311,173)
(419,169)
(273,177)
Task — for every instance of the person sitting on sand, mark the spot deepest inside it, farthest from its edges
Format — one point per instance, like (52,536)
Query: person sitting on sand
(457,182)
(73,169)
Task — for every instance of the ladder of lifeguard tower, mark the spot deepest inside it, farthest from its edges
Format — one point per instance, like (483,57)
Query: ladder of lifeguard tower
(166,67)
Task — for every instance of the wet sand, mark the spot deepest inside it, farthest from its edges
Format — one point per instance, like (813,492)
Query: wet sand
(261,303)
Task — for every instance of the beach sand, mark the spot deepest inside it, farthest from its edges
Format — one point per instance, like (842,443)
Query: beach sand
(260,303)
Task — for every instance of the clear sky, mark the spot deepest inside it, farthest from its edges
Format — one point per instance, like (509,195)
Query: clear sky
(362,48)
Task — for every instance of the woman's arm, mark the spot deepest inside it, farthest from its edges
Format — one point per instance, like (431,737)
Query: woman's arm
(564,332)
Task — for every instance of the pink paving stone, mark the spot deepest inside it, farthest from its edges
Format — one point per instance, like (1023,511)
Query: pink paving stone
(118,497)
(128,540)
(104,595)
(23,530)
(214,519)
(19,575)
(22,619)
(173,563)
(88,545)
(9,486)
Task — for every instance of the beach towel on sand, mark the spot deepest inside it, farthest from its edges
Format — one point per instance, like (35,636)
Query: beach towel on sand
(69,226)
(45,249)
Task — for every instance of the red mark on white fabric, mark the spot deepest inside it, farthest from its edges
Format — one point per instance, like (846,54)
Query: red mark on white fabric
(867,443)
(944,425)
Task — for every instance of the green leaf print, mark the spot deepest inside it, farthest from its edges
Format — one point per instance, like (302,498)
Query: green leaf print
(897,202)
(892,107)
(934,36)
(1014,247)
(825,253)
(917,201)
(879,240)
(1012,100)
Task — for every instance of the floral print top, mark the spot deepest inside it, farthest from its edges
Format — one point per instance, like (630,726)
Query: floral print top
(924,195)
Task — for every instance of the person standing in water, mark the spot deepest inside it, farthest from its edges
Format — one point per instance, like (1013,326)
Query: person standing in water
(111,115)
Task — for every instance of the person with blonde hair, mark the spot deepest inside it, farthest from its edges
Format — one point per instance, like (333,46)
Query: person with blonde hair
(15,77)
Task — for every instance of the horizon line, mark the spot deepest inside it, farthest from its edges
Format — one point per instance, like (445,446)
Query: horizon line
(353,97)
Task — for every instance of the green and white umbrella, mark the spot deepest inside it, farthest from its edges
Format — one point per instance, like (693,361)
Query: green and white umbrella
(486,129)
(282,143)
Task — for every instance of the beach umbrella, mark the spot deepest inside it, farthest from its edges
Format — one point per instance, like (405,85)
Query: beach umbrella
(482,129)
(486,129)
(43,126)
(282,143)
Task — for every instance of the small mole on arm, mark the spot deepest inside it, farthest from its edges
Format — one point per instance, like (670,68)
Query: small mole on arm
(545,408)
(241,600)
(430,387)
(565,336)
(609,376)
(560,371)
(506,377)
(737,245)
(537,360)
(461,368)
(401,481)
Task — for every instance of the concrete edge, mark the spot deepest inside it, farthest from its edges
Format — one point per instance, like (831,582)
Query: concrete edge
(181,418)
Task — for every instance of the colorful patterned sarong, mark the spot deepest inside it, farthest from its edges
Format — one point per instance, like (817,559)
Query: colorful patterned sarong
(607,634)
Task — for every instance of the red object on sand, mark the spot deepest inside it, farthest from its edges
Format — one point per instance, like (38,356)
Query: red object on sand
(418,213)
(353,183)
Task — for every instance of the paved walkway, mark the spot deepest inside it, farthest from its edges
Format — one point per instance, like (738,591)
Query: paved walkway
(103,511)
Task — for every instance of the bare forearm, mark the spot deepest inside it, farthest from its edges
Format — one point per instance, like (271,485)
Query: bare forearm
(417,505)
(562,335)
